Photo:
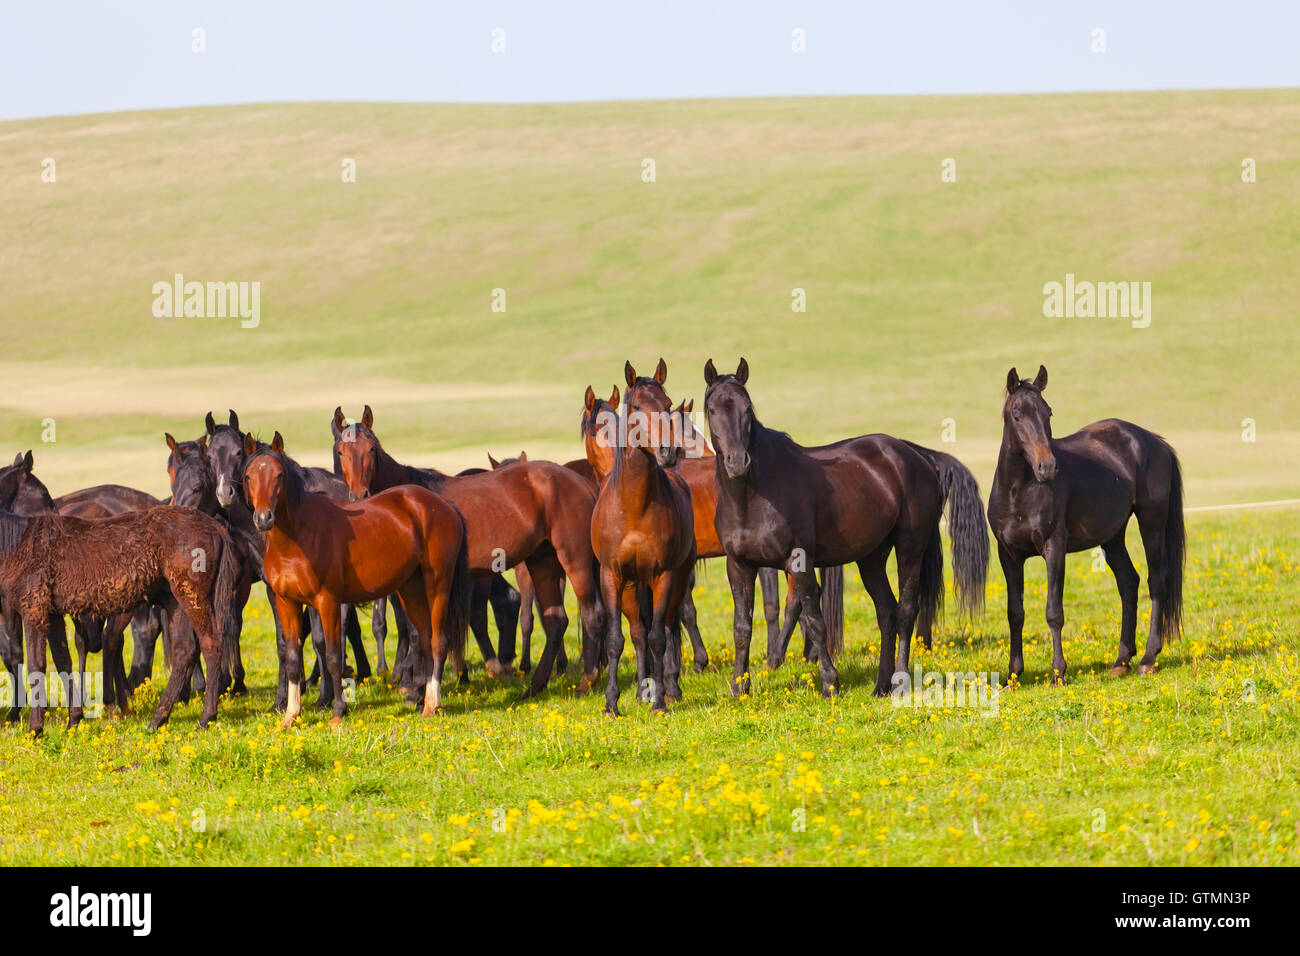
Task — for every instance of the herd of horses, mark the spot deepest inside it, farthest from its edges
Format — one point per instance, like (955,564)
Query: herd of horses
(624,527)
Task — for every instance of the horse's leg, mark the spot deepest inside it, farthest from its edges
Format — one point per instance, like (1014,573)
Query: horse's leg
(740,575)
(281,680)
(415,601)
(1054,555)
(116,692)
(210,642)
(527,595)
(547,575)
(291,618)
(657,643)
(199,684)
(352,628)
(909,550)
(72,693)
(144,645)
(581,571)
(814,628)
(925,627)
(685,616)
(1151,522)
(318,671)
(11,649)
(506,602)
(1126,579)
(875,580)
(478,623)
(771,584)
(234,652)
(438,597)
(1013,569)
(379,628)
(787,626)
(615,592)
(562,655)
(331,622)
(36,631)
(681,580)
(184,652)
(406,652)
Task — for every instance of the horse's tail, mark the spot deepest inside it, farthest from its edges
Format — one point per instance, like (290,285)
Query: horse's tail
(930,599)
(967,529)
(455,623)
(1170,623)
(833,608)
(228,616)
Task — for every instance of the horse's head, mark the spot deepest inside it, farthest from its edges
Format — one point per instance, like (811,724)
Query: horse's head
(357,451)
(648,418)
(730,414)
(1027,418)
(22,492)
(266,479)
(226,457)
(600,431)
(190,474)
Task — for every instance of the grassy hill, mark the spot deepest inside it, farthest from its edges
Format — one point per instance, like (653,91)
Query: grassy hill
(920,293)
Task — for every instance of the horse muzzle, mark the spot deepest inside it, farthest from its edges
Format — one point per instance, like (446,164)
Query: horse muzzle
(1045,469)
(737,465)
(225,493)
(263,520)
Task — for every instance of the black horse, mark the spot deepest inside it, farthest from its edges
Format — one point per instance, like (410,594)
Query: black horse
(226,459)
(1052,496)
(784,506)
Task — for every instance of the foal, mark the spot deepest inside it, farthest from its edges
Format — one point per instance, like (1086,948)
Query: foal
(1052,496)
(643,533)
(325,553)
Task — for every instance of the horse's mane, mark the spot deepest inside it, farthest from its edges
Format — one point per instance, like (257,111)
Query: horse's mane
(781,439)
(12,529)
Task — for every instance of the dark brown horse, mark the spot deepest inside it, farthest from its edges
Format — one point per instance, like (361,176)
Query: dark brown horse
(643,533)
(52,565)
(779,505)
(535,512)
(326,553)
(1052,496)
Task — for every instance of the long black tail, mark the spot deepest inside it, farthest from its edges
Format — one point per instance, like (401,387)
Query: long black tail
(833,608)
(930,599)
(1171,610)
(967,529)
(223,598)
(455,624)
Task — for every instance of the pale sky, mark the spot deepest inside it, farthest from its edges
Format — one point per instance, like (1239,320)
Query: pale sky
(78,56)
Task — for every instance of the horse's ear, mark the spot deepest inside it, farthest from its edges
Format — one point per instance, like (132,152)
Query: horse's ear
(338,423)
(690,406)
(234,420)
(18,459)
(523,456)
(210,423)
(1013,380)
(27,462)
(661,372)
(1040,380)
(629,373)
(367,417)
(277,444)
(742,372)
(613,397)
(710,373)
(589,400)
(250,445)
(203,444)
(493,462)
(171,442)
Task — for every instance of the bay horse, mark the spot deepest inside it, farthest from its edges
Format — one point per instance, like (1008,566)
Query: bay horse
(52,565)
(533,512)
(780,505)
(326,553)
(225,444)
(643,534)
(1053,496)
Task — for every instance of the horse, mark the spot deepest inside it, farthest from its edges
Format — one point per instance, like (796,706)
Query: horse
(534,512)
(51,565)
(225,444)
(325,553)
(1053,496)
(783,505)
(506,601)
(643,534)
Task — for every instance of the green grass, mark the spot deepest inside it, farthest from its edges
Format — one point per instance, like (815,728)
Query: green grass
(1183,768)
(920,295)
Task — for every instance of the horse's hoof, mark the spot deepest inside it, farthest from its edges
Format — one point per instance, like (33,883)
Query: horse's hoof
(336,722)
(700,667)
(659,710)
(287,723)
(611,710)
(239,690)
(673,697)
(1146,668)
(1119,670)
